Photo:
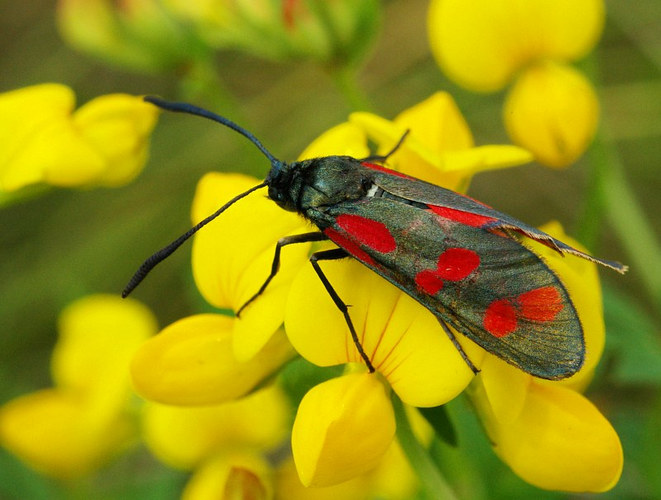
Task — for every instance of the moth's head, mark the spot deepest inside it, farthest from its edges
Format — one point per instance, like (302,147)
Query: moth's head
(318,182)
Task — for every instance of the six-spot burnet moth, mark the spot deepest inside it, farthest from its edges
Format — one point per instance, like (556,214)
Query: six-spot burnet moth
(459,258)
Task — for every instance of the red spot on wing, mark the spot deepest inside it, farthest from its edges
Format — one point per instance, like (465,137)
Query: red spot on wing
(500,318)
(381,168)
(349,245)
(541,304)
(457,263)
(429,281)
(454,264)
(369,232)
(461,216)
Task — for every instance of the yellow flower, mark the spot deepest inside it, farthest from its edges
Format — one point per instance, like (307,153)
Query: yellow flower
(483,45)
(225,445)
(547,432)
(43,140)
(439,148)
(72,429)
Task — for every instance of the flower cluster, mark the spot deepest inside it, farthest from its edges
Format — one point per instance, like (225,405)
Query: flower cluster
(344,426)
(216,386)
(551,109)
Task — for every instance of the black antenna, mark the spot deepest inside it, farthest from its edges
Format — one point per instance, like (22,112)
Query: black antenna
(165,252)
(184,107)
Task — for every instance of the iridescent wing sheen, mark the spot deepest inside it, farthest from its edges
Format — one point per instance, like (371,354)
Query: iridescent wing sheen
(484,283)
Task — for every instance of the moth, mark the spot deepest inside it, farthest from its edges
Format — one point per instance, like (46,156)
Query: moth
(461,259)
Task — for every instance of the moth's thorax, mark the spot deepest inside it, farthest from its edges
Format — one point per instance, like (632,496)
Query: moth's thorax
(320,182)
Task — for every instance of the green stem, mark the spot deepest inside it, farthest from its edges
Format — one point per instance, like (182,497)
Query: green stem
(433,483)
(629,222)
(345,79)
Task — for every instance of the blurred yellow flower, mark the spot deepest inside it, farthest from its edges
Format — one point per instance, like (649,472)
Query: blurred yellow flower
(225,445)
(138,34)
(483,45)
(43,140)
(334,33)
(74,428)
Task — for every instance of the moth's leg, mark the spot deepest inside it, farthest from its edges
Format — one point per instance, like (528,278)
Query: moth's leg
(335,254)
(456,343)
(275,266)
(382,158)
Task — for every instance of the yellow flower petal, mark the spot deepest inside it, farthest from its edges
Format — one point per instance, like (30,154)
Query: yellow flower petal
(552,111)
(191,362)
(36,136)
(344,139)
(342,429)
(186,437)
(403,340)
(481,44)
(505,387)
(561,442)
(98,336)
(117,126)
(437,123)
(230,476)
(57,433)
(105,142)
(233,255)
(581,278)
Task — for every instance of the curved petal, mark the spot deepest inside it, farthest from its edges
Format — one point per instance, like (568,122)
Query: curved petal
(343,139)
(186,437)
(191,362)
(481,44)
(56,432)
(233,255)
(403,340)
(505,387)
(117,126)
(553,111)
(561,442)
(36,137)
(342,429)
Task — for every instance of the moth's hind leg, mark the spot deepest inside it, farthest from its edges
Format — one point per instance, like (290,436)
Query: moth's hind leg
(456,343)
(275,266)
(335,254)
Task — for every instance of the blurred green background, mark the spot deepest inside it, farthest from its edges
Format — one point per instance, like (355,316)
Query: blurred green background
(67,243)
